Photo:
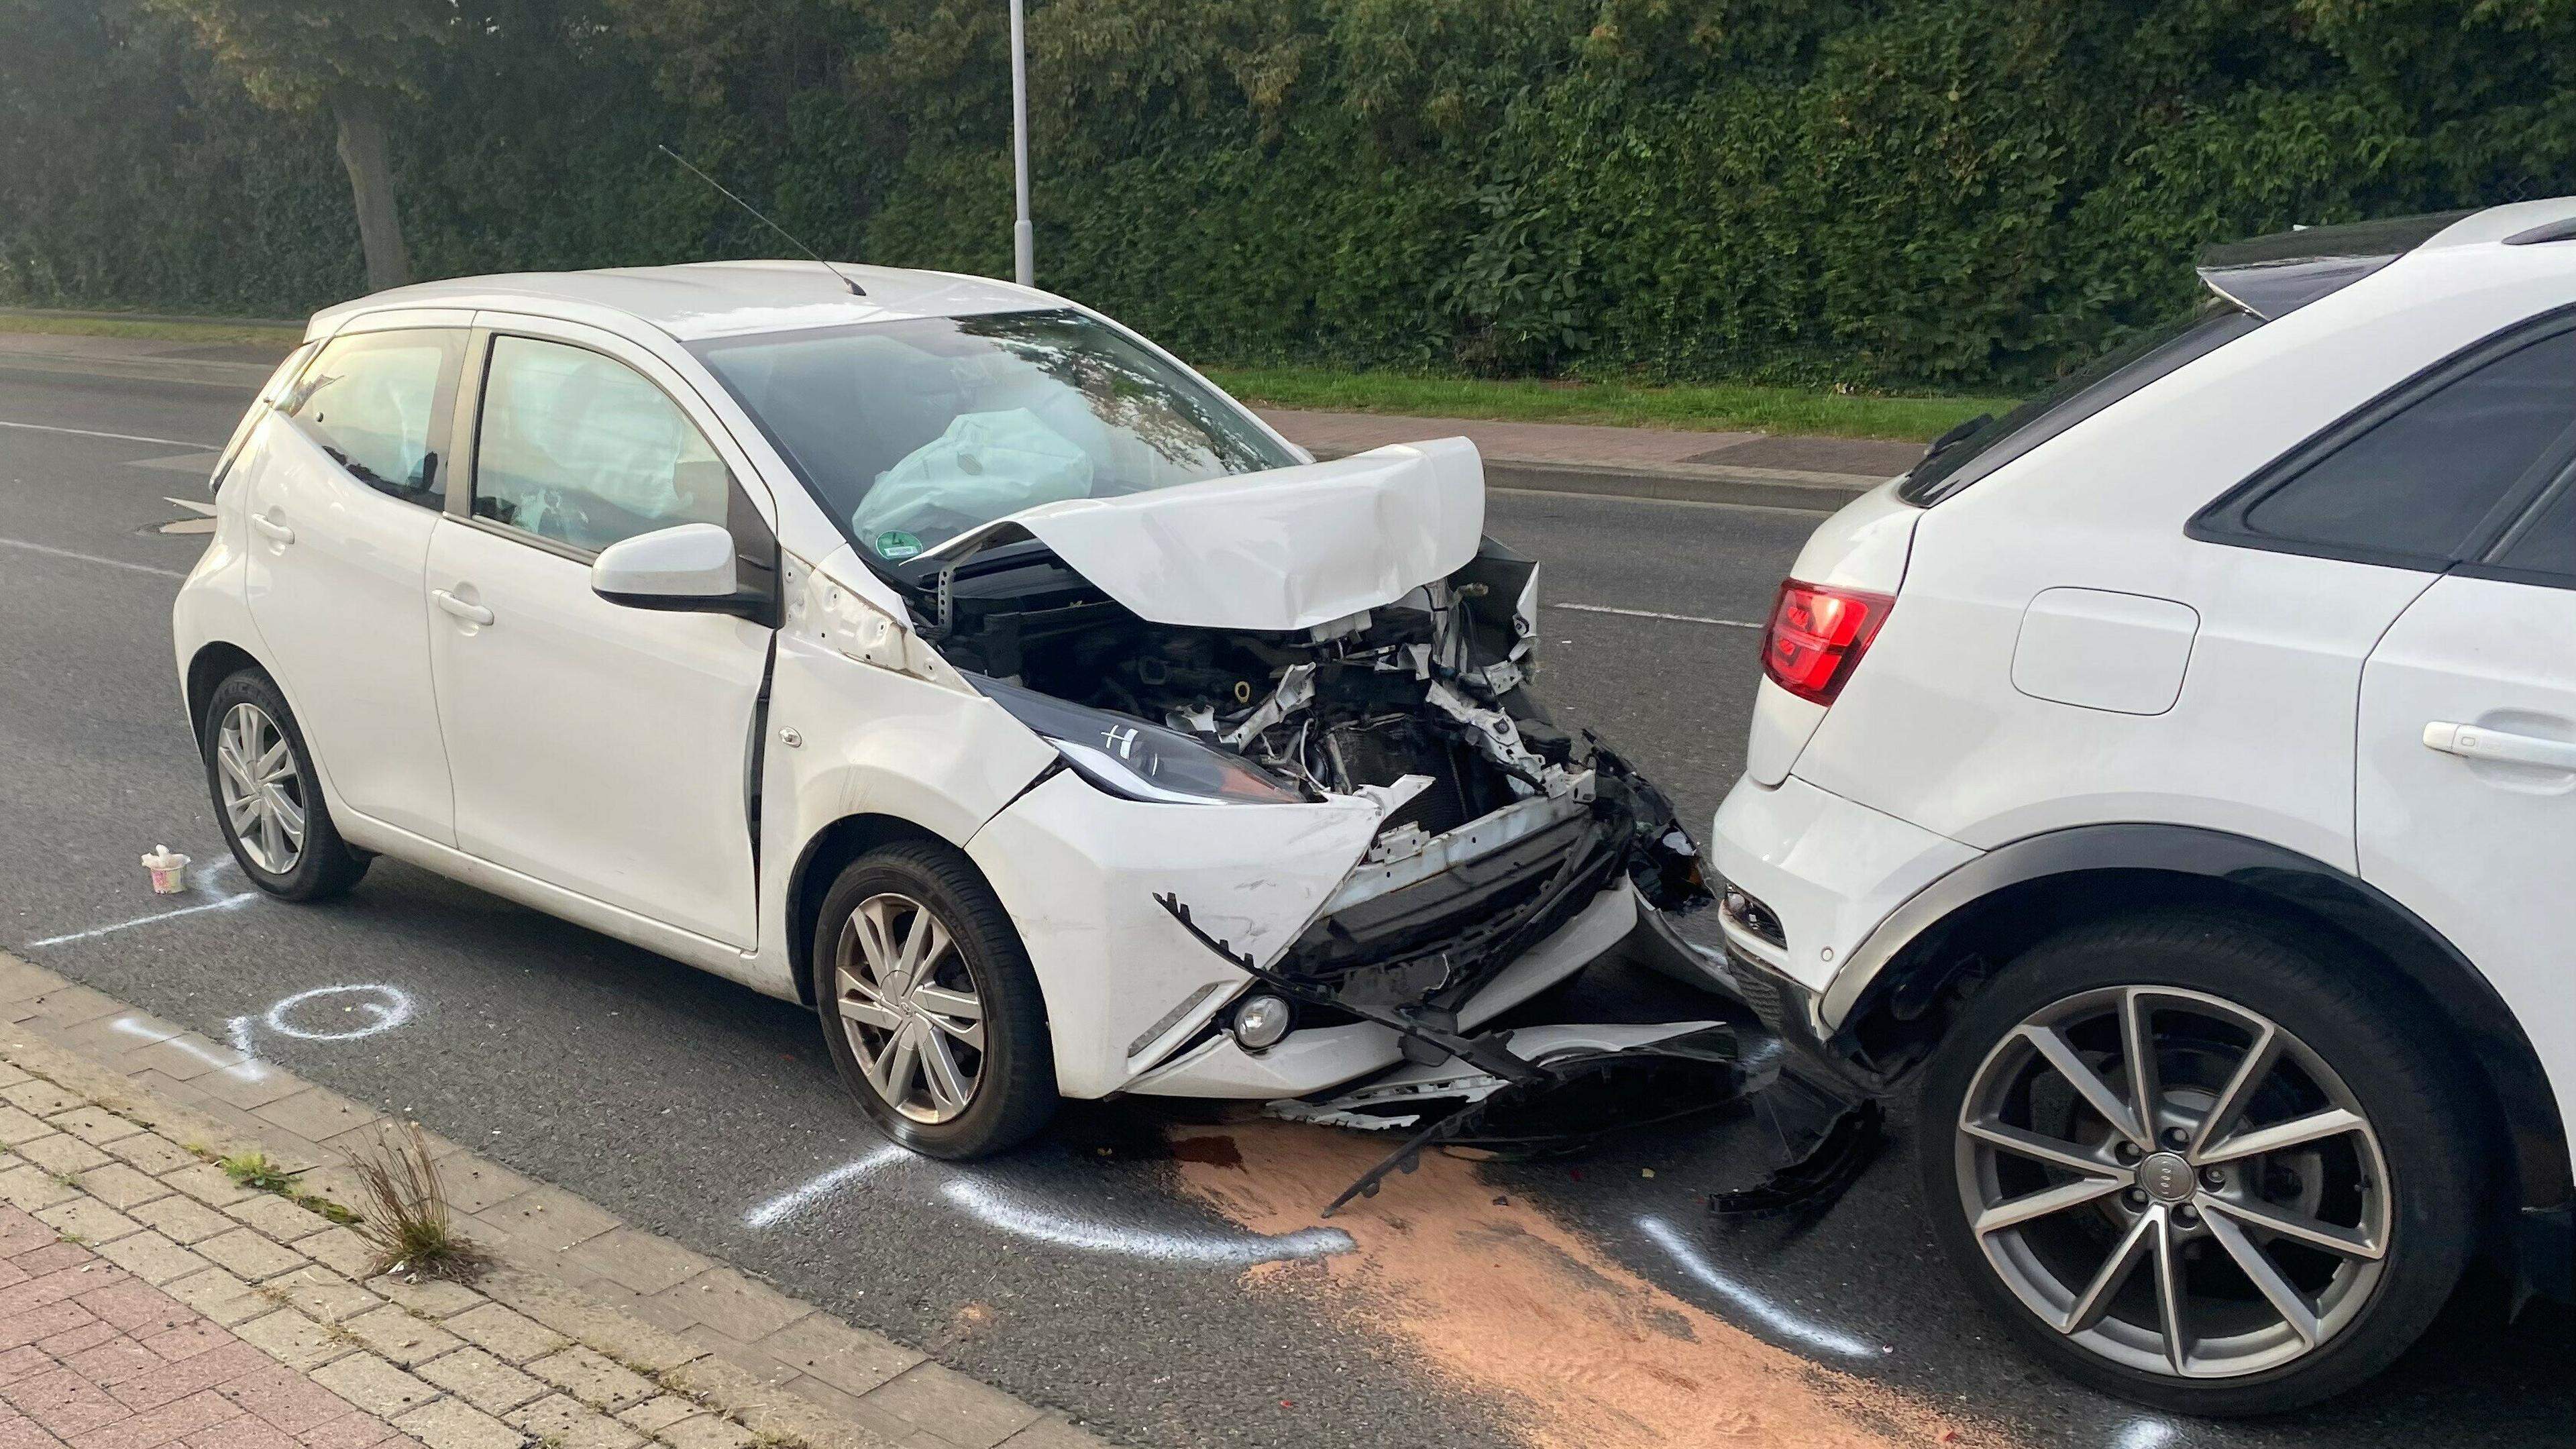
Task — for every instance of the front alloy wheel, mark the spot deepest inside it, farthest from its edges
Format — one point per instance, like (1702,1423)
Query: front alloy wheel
(929,1005)
(2174,1182)
(911,1008)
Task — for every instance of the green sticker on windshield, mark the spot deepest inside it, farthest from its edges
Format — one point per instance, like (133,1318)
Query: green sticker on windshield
(897,545)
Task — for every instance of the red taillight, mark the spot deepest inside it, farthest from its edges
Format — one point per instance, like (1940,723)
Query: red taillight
(1817,636)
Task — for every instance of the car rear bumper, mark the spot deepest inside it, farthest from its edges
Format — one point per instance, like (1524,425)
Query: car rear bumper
(1809,876)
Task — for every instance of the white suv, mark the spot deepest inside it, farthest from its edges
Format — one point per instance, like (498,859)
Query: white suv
(2178,776)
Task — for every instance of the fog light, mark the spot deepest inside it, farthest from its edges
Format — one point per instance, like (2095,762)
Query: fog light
(1261,1022)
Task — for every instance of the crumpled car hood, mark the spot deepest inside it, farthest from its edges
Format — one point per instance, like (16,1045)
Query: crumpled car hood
(1277,551)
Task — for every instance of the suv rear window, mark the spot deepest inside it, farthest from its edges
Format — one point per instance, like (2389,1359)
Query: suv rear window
(1971,453)
(2426,476)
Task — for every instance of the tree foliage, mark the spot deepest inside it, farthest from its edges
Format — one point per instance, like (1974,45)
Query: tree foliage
(1873,192)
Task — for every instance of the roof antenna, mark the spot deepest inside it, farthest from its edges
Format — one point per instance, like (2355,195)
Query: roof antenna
(855,289)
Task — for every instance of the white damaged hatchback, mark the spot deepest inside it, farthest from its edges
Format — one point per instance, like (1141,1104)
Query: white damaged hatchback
(931,650)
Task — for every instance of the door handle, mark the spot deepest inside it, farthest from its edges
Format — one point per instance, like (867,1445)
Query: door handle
(470,613)
(2477,742)
(278,532)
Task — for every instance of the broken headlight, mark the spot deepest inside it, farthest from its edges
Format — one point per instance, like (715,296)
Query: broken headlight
(1135,760)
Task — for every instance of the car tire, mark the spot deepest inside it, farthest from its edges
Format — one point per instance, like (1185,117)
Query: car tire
(972,1013)
(2405,1186)
(273,815)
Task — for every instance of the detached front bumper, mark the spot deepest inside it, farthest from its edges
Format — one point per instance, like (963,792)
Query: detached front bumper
(1145,922)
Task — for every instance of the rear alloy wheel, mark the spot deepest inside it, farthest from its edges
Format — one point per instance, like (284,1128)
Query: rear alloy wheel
(267,795)
(2173,1161)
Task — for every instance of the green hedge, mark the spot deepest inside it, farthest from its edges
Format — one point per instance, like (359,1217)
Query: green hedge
(1942,192)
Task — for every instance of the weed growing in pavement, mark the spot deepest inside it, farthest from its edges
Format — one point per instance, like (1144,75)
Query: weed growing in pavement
(257,1170)
(406,1217)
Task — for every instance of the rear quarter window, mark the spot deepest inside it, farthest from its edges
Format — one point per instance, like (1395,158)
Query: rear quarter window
(2428,475)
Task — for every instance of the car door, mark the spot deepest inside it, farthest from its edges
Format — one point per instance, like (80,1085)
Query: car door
(2466,797)
(599,748)
(345,488)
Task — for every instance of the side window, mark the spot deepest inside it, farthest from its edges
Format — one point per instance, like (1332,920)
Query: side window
(579,448)
(2426,483)
(373,402)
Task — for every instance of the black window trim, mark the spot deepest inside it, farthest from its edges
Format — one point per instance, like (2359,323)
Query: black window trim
(443,404)
(2485,566)
(760,602)
(2222,520)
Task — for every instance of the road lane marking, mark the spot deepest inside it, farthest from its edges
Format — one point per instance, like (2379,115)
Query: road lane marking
(49,551)
(115,437)
(1753,1305)
(1652,614)
(226,903)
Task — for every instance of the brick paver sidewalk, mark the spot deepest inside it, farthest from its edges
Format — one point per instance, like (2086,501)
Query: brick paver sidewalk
(95,1358)
(148,1300)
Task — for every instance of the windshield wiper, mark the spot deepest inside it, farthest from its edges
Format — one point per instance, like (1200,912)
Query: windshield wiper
(1955,436)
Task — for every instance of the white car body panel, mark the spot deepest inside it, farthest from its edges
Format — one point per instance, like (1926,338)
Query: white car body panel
(339,595)
(1830,869)
(1079,870)
(2480,845)
(1281,550)
(556,712)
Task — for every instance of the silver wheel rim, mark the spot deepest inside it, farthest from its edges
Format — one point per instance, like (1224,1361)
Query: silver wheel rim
(262,793)
(2223,1212)
(910,1005)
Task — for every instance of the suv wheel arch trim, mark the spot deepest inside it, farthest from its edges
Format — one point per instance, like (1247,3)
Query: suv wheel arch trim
(2537,1140)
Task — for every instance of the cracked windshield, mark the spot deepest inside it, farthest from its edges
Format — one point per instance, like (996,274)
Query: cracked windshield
(914,432)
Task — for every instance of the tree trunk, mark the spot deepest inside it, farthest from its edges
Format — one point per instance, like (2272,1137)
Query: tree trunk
(371,184)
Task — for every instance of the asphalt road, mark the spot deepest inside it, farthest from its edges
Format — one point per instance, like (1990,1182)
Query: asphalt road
(1090,1271)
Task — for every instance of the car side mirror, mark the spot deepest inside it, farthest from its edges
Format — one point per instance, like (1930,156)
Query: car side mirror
(690,566)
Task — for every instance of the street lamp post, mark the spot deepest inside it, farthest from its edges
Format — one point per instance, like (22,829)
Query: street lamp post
(1023,235)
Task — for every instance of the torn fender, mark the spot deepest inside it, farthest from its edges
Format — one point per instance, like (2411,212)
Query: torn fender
(1277,551)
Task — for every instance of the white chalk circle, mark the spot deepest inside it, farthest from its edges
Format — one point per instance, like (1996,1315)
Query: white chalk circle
(366,1011)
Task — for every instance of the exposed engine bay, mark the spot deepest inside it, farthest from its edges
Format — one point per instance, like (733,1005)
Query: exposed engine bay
(1422,706)
(1497,827)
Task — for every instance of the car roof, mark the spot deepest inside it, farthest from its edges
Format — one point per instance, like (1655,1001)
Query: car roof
(712,299)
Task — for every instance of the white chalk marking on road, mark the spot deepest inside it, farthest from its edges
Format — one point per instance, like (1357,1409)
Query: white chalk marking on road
(1651,614)
(237,1031)
(116,437)
(241,1071)
(1753,1305)
(1002,1211)
(787,1204)
(68,937)
(1241,1250)
(115,563)
(2146,1434)
(390,1008)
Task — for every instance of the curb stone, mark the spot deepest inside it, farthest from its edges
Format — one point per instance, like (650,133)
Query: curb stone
(591,1344)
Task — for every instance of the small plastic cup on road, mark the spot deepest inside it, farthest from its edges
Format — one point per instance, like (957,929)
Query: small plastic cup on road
(166,865)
